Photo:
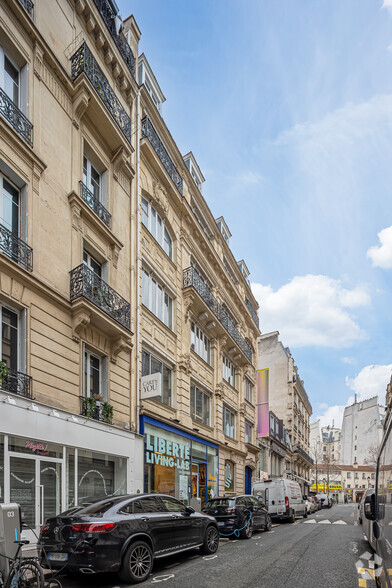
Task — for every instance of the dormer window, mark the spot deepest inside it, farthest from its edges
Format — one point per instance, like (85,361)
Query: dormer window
(224,229)
(147,78)
(194,170)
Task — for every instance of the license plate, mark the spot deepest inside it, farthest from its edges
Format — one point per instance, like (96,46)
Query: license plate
(58,556)
(221,524)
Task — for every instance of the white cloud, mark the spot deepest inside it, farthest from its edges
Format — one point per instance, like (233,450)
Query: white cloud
(381,255)
(333,414)
(371,381)
(387,4)
(312,310)
(348,360)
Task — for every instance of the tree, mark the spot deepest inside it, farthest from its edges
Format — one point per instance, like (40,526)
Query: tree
(316,452)
(371,459)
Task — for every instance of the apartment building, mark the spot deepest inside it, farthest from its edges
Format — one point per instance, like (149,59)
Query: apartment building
(289,402)
(113,272)
(199,326)
(362,431)
(325,442)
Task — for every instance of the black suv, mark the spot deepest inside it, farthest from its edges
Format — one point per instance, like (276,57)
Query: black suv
(125,534)
(238,516)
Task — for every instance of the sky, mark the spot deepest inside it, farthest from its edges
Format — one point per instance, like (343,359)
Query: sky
(287,107)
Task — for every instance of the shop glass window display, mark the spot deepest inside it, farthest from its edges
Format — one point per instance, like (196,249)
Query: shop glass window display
(100,475)
(70,481)
(212,472)
(1,468)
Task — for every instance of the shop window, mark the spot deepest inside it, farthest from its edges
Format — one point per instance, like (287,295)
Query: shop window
(228,371)
(95,383)
(1,468)
(248,432)
(248,390)
(200,343)
(100,475)
(155,224)
(229,476)
(156,299)
(200,405)
(153,365)
(228,422)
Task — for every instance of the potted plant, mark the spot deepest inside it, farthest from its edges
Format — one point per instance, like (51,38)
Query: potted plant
(107,413)
(3,372)
(89,406)
(97,397)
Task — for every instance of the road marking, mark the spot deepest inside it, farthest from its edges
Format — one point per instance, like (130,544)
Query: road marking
(308,522)
(339,523)
(327,522)
(208,557)
(163,578)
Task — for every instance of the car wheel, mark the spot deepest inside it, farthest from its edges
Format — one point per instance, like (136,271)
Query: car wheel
(137,563)
(248,531)
(211,540)
(268,524)
(292,517)
(306,513)
(360,521)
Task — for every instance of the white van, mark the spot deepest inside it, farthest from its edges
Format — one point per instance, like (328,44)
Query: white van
(282,497)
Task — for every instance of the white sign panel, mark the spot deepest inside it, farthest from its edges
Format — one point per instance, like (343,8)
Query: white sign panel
(151,385)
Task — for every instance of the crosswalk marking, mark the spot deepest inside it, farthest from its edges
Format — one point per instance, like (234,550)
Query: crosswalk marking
(339,523)
(327,522)
(311,521)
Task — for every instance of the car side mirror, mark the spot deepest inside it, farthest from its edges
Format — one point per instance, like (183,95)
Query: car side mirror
(189,510)
(370,507)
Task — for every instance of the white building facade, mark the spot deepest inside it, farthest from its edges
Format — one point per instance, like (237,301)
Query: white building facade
(362,430)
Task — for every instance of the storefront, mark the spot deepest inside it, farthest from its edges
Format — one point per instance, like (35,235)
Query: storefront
(45,474)
(178,463)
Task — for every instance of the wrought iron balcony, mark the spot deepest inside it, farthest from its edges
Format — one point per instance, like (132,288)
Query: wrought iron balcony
(16,249)
(84,282)
(252,312)
(28,5)
(192,278)
(304,455)
(15,117)
(17,383)
(109,17)
(83,61)
(149,131)
(95,204)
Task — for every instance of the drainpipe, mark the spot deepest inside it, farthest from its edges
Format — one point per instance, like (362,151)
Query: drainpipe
(138,225)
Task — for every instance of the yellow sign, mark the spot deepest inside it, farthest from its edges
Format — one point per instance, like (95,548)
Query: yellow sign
(323,488)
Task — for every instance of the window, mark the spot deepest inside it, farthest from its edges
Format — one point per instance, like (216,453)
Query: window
(228,371)
(92,178)
(248,432)
(200,405)
(152,365)
(10,211)
(228,423)
(11,79)
(363,476)
(11,327)
(348,485)
(373,476)
(172,505)
(248,390)
(348,475)
(95,375)
(156,299)
(356,476)
(156,225)
(200,343)
(92,263)
(152,504)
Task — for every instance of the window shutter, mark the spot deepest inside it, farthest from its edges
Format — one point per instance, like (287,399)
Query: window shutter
(24,90)
(24,213)
(105,378)
(22,341)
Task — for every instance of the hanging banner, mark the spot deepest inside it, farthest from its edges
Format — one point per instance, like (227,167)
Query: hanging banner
(263,403)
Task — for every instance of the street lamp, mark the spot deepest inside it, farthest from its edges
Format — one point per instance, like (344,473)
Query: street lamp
(368,481)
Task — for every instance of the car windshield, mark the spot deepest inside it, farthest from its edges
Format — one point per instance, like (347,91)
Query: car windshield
(220,502)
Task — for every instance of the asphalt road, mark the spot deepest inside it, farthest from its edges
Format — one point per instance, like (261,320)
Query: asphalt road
(326,549)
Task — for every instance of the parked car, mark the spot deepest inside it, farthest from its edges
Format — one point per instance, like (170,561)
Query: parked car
(317,502)
(282,497)
(238,516)
(125,534)
(366,524)
(314,503)
(325,501)
(309,503)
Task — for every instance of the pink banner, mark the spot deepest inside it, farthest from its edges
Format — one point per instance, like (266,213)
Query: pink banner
(263,403)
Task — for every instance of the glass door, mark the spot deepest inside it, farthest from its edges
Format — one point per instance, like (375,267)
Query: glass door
(199,481)
(50,489)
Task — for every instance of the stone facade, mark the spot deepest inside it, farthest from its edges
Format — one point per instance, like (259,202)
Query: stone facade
(362,431)
(93,296)
(289,401)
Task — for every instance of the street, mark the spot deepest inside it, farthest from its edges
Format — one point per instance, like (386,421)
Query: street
(322,549)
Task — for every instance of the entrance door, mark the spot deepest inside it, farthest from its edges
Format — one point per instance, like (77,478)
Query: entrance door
(35,484)
(199,471)
(248,480)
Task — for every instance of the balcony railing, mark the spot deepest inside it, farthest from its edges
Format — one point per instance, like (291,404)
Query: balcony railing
(95,204)
(109,18)
(192,278)
(94,409)
(15,117)
(303,454)
(84,282)
(17,383)
(149,131)
(83,61)
(16,249)
(27,5)
(252,312)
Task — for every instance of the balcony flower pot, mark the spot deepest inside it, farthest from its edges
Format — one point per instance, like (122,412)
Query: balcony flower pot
(89,406)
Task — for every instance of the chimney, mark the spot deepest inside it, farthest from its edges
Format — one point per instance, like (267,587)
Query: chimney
(355,398)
